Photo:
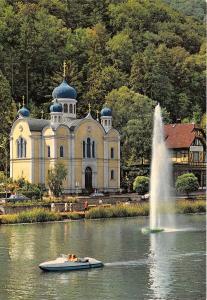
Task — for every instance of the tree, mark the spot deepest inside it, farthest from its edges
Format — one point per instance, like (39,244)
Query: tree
(132,117)
(187,183)
(141,184)
(55,179)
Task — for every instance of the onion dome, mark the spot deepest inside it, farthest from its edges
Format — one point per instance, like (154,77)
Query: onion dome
(64,90)
(106,112)
(56,107)
(24,112)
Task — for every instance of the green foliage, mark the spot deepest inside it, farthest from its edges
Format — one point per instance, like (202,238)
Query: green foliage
(187,183)
(30,216)
(55,179)
(118,211)
(147,46)
(28,189)
(132,114)
(195,8)
(186,206)
(141,184)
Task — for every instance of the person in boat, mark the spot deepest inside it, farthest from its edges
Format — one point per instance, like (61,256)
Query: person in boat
(74,258)
(69,257)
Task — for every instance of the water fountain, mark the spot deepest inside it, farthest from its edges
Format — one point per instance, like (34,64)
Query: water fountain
(161,202)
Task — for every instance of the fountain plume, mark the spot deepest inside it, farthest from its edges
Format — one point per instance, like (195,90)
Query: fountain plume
(161,202)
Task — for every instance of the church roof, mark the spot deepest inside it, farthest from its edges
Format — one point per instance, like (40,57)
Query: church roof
(179,135)
(37,124)
(64,90)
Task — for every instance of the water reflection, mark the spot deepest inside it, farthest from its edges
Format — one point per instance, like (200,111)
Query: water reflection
(162,246)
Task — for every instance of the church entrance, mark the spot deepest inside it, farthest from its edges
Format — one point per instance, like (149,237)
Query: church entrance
(88,179)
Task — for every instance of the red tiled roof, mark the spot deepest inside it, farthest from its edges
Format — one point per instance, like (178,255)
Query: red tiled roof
(179,135)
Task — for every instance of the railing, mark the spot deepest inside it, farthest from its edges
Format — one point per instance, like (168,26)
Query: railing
(191,163)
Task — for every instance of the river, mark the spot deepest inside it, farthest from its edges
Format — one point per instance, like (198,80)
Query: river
(167,265)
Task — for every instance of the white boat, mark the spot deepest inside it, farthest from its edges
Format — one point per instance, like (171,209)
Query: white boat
(63,264)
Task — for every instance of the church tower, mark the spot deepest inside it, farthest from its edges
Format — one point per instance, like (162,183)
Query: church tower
(66,95)
(106,118)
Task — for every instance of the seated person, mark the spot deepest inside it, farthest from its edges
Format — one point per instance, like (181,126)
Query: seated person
(74,257)
(69,257)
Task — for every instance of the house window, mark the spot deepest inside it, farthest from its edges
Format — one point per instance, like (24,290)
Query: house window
(112,174)
(196,156)
(84,149)
(93,149)
(71,108)
(112,152)
(105,122)
(88,147)
(48,151)
(61,151)
(65,108)
(197,142)
(21,148)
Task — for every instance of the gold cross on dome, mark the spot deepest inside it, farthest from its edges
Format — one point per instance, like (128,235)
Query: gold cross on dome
(23,100)
(89,107)
(64,69)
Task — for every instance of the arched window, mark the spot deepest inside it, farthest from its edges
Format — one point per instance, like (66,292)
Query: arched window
(21,148)
(61,151)
(88,147)
(65,108)
(112,152)
(84,149)
(93,149)
(112,174)
(48,151)
(71,108)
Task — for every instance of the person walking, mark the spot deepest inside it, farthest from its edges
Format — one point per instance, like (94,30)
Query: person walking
(86,205)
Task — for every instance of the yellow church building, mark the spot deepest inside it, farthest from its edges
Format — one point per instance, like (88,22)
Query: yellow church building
(89,149)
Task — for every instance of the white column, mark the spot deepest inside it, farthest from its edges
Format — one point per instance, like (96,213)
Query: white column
(106,165)
(32,160)
(42,160)
(54,150)
(72,161)
(11,157)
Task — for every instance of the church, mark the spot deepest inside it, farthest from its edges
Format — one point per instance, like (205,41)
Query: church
(88,148)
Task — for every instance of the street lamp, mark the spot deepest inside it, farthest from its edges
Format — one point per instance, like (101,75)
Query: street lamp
(6,166)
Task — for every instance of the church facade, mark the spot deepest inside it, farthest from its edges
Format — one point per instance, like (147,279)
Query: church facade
(88,148)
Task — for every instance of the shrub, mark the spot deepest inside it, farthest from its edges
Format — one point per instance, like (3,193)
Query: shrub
(30,216)
(187,183)
(118,211)
(55,179)
(141,185)
(186,206)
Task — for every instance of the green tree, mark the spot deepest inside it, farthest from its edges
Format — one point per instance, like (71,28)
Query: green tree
(187,183)
(56,176)
(141,184)
(132,116)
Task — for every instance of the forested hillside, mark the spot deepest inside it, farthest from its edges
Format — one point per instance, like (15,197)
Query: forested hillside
(195,8)
(141,50)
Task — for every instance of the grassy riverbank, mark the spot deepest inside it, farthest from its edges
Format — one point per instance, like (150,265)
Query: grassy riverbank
(116,211)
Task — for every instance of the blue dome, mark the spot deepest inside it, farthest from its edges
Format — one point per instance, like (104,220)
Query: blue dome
(64,90)
(24,112)
(106,112)
(56,107)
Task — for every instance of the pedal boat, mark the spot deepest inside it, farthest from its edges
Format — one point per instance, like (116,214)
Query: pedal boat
(63,264)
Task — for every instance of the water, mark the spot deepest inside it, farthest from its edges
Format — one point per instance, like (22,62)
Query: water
(161,202)
(167,265)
